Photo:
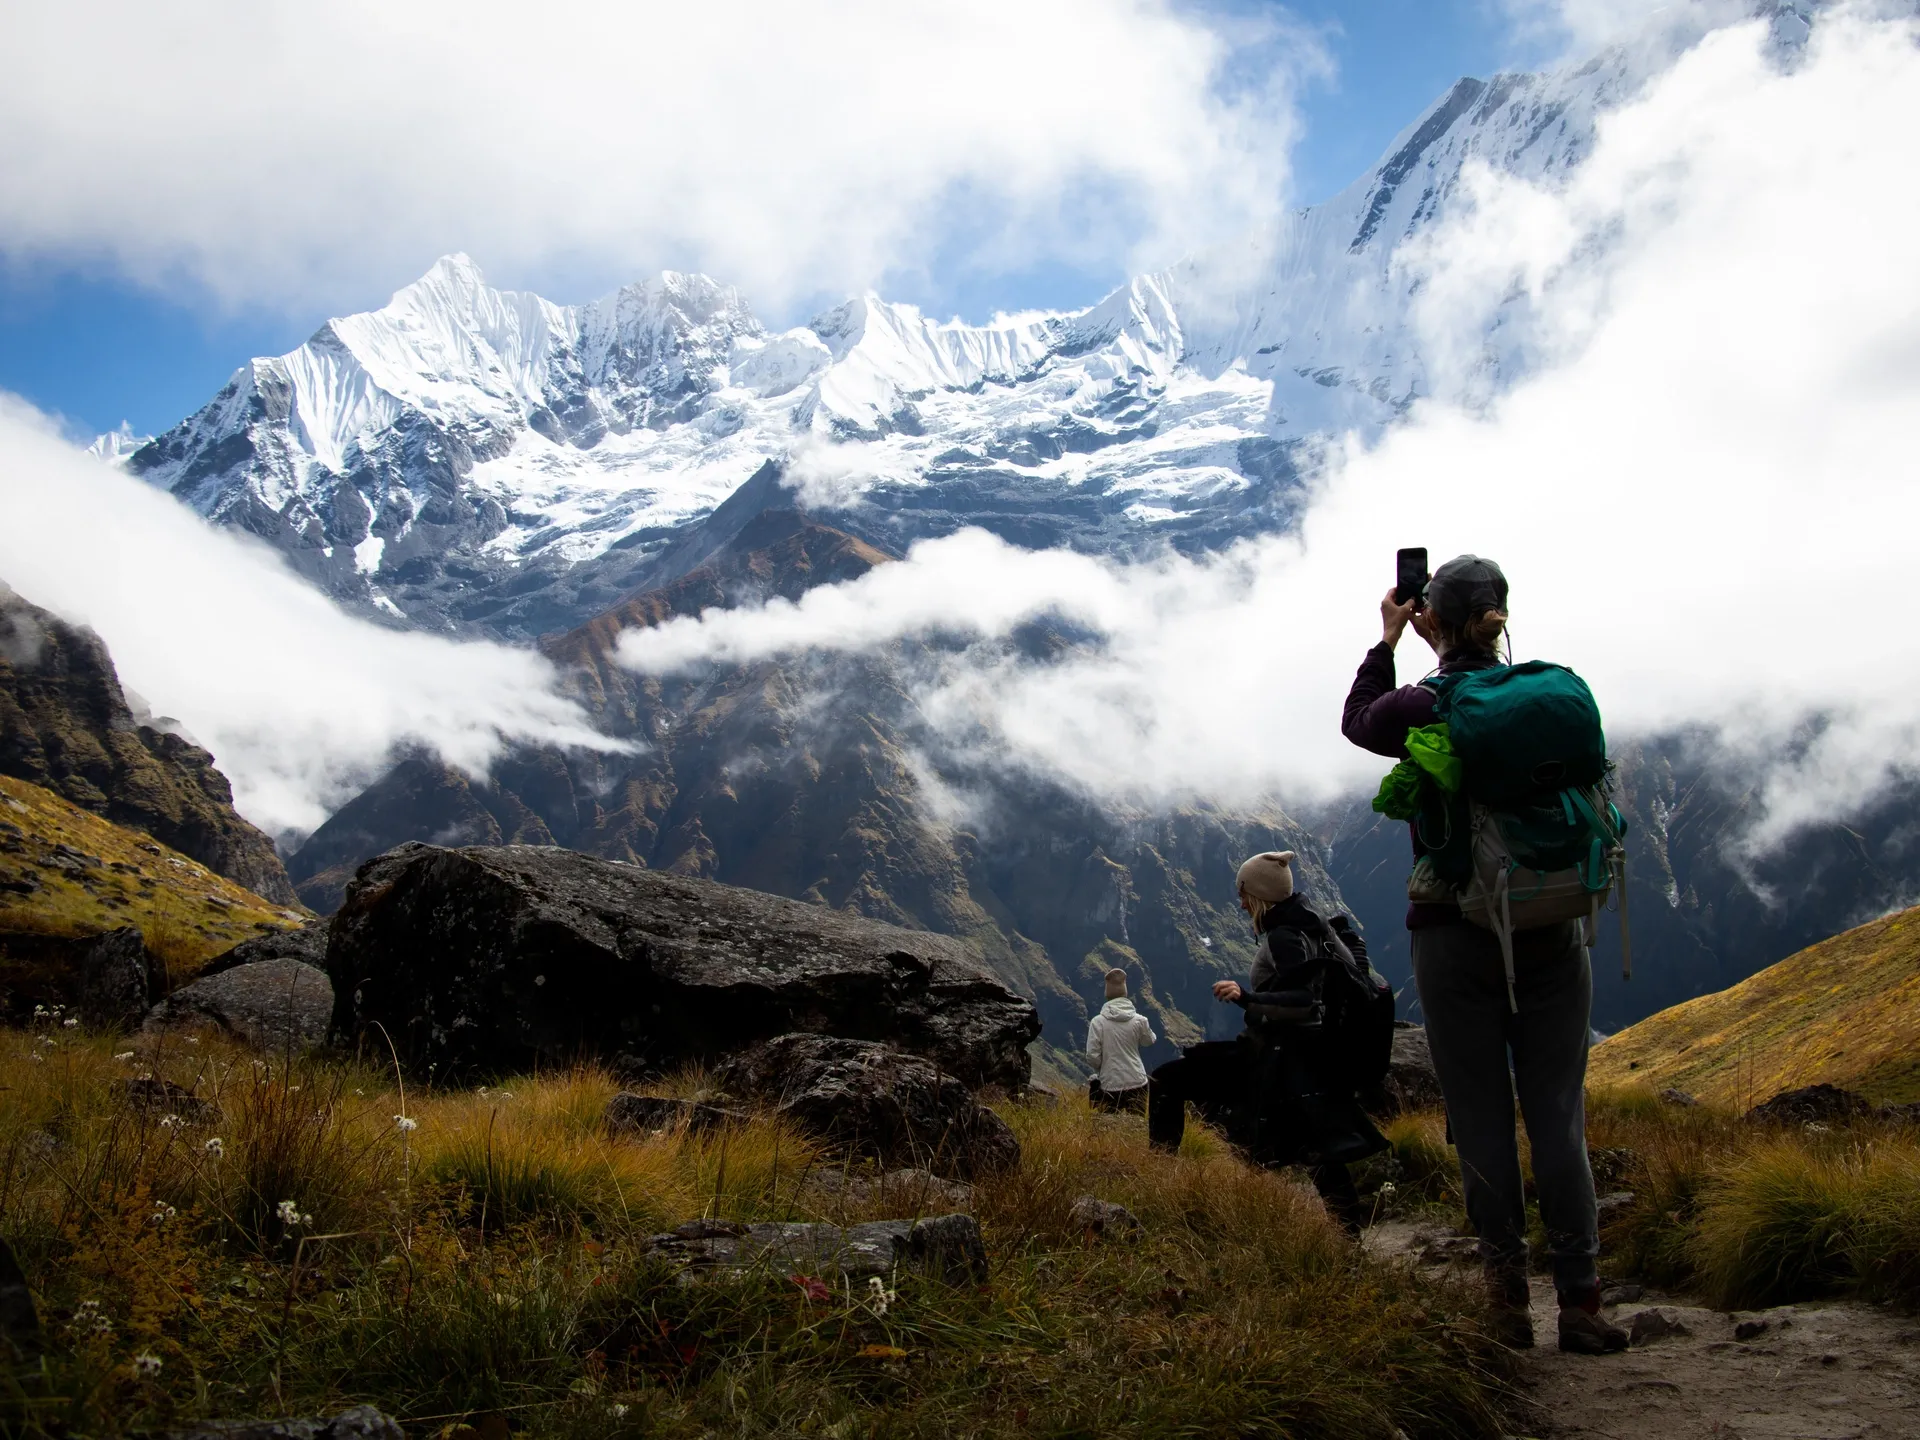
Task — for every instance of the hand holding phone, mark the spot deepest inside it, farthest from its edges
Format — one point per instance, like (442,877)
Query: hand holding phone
(1410,577)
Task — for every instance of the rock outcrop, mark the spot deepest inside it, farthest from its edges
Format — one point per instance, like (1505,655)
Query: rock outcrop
(282,1005)
(305,943)
(866,1099)
(1412,1082)
(65,724)
(486,960)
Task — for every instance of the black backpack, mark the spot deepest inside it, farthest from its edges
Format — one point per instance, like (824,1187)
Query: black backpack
(1358,1027)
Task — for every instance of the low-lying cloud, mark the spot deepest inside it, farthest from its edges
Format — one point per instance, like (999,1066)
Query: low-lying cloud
(1707,499)
(290,153)
(300,703)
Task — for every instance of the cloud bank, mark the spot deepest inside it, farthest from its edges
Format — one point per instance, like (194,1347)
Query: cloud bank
(300,704)
(1706,500)
(288,153)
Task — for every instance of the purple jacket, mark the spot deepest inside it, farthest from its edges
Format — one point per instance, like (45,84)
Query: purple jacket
(1377,717)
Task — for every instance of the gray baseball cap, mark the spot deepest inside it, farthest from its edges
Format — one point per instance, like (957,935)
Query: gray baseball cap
(1465,587)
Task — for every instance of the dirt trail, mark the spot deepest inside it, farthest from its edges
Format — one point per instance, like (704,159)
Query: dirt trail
(1831,1371)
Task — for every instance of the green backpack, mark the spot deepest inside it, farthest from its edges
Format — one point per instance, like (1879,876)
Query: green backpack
(1529,838)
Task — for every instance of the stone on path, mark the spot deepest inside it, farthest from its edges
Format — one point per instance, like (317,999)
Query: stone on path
(274,1005)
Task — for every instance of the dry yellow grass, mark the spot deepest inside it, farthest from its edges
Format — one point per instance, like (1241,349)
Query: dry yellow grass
(1844,1012)
(186,913)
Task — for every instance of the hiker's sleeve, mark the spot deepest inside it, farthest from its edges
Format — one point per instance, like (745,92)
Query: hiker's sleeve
(1378,715)
(1147,1037)
(1096,1049)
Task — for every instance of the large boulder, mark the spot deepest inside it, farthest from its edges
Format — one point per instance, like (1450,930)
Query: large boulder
(271,1004)
(866,1099)
(104,981)
(488,959)
(305,943)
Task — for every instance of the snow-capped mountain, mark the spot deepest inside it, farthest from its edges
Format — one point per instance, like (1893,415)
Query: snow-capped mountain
(478,459)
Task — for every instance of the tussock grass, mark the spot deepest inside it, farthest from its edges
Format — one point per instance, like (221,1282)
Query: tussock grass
(489,1257)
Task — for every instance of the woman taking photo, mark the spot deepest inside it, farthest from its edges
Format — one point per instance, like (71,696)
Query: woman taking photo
(1489,1043)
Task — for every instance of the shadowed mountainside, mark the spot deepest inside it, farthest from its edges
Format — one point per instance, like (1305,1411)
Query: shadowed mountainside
(65,724)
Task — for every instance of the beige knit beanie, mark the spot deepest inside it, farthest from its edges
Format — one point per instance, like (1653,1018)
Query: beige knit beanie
(1268,877)
(1116,984)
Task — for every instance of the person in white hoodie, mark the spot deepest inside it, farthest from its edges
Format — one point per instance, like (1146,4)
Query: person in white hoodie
(1115,1038)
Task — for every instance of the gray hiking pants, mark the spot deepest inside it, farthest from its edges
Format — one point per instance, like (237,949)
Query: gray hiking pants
(1463,990)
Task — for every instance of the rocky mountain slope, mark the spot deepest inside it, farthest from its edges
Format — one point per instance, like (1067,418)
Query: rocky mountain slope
(66,724)
(1843,1012)
(66,872)
(806,780)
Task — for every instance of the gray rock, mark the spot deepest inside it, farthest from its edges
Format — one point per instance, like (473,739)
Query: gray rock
(644,1114)
(490,959)
(361,1422)
(1412,1083)
(1679,1098)
(1812,1104)
(1105,1220)
(1650,1325)
(1612,1207)
(1750,1329)
(948,1247)
(113,975)
(19,1321)
(153,1095)
(905,1192)
(305,943)
(1623,1294)
(269,1004)
(865,1099)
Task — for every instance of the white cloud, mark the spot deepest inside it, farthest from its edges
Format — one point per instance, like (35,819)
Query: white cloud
(300,704)
(285,151)
(1707,502)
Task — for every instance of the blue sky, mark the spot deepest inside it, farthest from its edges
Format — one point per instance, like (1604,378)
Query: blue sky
(95,350)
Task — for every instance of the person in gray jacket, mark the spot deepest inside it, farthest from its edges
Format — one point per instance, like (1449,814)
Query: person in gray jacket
(1115,1038)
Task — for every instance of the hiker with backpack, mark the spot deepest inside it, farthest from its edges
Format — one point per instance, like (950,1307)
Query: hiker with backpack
(1307,1002)
(1502,778)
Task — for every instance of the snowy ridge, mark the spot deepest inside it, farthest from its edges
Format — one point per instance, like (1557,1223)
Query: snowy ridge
(419,457)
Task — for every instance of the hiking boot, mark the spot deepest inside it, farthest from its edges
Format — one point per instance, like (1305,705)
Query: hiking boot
(1510,1318)
(1584,1330)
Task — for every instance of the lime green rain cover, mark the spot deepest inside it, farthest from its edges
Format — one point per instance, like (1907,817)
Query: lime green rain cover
(1429,756)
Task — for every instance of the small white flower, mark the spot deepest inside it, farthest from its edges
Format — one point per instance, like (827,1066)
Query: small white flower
(170,1122)
(70,1024)
(539,980)
(358,1091)
(163,1212)
(616,1410)
(216,1147)
(193,1039)
(1388,1189)
(37,1057)
(405,1123)
(290,1215)
(879,1297)
(40,1012)
(146,1365)
(124,1055)
(87,1319)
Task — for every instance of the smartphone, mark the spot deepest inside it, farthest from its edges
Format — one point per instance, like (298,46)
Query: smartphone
(1410,577)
